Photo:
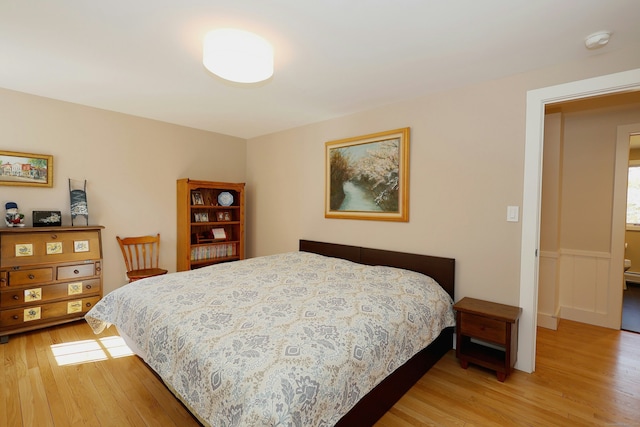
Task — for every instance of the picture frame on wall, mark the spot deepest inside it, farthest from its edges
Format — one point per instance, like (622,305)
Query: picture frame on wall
(367,177)
(26,169)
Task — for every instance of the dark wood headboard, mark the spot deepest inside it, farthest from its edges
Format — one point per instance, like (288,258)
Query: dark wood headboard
(442,270)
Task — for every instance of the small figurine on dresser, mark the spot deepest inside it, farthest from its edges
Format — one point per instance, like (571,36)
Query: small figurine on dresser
(13,218)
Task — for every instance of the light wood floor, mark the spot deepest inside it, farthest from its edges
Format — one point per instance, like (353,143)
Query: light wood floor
(585,375)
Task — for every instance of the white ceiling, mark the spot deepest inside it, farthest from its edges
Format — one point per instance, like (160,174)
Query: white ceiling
(333,57)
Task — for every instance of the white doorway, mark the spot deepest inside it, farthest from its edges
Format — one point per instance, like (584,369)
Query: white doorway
(536,102)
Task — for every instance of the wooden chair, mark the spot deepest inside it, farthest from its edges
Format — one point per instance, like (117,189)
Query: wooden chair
(141,256)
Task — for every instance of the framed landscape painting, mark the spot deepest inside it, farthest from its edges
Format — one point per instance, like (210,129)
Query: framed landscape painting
(26,169)
(367,177)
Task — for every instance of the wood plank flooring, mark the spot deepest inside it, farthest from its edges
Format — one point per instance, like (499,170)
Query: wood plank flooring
(585,375)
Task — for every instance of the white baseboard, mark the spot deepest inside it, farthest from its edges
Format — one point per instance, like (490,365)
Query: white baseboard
(547,321)
(585,316)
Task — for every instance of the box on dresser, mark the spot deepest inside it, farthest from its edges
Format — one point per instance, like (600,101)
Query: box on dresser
(48,276)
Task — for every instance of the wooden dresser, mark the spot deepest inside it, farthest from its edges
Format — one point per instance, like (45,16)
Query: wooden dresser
(48,276)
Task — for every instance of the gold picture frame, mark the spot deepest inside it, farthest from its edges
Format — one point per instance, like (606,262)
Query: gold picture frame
(26,169)
(367,177)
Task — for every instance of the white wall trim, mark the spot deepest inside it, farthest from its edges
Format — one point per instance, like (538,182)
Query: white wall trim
(583,253)
(531,202)
(549,254)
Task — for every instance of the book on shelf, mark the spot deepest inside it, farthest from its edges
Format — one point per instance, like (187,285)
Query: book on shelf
(225,250)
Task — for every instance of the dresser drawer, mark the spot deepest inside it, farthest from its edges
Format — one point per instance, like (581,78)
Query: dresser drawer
(30,276)
(71,272)
(17,249)
(46,312)
(42,294)
(483,328)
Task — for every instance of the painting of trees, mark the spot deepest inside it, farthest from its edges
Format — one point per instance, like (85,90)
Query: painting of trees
(368,178)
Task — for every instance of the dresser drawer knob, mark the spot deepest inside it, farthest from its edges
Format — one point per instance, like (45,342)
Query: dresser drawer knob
(54,236)
(76,272)
(16,297)
(88,286)
(16,317)
(88,304)
(31,276)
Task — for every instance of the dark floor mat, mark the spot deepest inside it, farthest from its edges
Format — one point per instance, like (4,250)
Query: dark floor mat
(631,308)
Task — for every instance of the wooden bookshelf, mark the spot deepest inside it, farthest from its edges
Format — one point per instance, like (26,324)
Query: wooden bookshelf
(202,207)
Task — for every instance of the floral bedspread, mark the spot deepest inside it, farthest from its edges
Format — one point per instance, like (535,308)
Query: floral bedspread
(293,339)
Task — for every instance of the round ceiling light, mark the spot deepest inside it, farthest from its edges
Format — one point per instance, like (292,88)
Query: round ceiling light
(238,56)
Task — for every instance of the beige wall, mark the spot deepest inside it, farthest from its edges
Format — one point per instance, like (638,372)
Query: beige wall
(467,154)
(589,162)
(131,166)
(577,204)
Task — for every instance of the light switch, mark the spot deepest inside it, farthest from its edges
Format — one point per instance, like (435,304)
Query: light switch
(513,213)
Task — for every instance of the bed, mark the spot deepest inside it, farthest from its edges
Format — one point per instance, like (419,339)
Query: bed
(323,336)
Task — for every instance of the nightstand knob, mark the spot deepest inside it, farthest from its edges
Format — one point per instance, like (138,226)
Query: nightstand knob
(88,286)
(88,304)
(16,317)
(16,297)
(54,236)
(31,276)
(76,272)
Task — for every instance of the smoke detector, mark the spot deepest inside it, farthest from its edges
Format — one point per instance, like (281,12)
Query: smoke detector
(597,40)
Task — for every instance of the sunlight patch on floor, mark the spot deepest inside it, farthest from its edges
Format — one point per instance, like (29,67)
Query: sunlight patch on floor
(86,351)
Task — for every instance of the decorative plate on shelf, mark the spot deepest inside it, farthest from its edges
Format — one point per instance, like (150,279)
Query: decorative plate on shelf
(225,198)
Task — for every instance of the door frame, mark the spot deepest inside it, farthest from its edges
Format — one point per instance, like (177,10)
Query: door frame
(531,201)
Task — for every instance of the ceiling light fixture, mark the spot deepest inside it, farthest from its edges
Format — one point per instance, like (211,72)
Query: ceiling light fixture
(596,40)
(238,56)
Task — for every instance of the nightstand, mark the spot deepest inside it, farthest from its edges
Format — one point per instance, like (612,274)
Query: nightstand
(487,335)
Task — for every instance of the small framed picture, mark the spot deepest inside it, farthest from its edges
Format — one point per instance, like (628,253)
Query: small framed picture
(196,198)
(24,249)
(220,216)
(201,217)
(54,248)
(80,246)
(219,233)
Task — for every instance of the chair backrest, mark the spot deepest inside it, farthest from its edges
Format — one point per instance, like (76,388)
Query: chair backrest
(140,252)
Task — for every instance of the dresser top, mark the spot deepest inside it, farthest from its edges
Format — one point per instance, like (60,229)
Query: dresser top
(49,229)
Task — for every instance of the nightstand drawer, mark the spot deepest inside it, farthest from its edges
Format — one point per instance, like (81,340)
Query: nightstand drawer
(483,328)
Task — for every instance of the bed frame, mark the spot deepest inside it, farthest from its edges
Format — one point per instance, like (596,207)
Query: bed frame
(379,400)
